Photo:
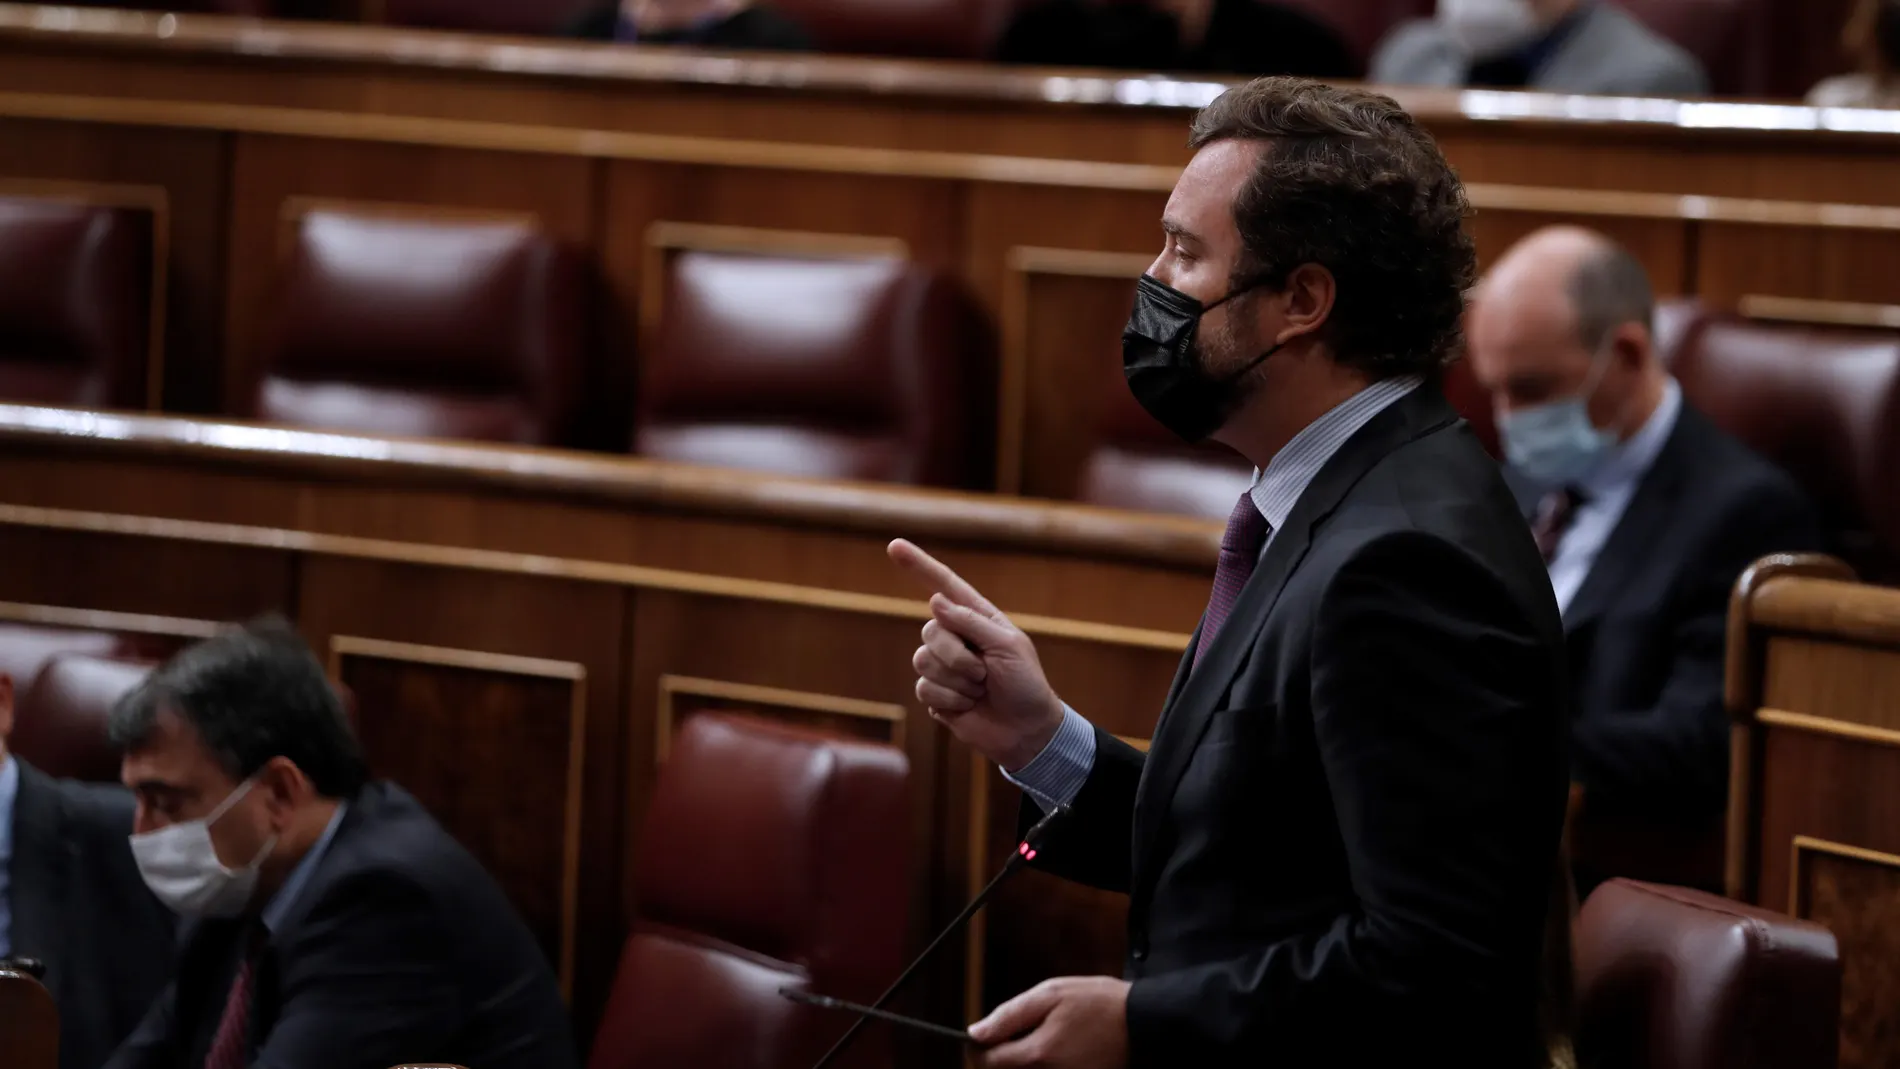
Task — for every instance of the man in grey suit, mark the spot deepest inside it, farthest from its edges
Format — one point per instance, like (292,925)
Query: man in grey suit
(1565,46)
(71,898)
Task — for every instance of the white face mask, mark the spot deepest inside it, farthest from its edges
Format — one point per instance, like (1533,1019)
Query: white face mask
(181,865)
(1487,29)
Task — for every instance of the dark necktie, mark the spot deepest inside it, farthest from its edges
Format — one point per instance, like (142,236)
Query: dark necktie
(1554,514)
(228,1045)
(1240,547)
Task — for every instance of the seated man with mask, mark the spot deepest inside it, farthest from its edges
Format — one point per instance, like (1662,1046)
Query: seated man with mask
(331,923)
(1561,46)
(1646,514)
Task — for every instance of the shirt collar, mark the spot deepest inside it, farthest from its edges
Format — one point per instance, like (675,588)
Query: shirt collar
(279,905)
(9,792)
(1627,462)
(1277,487)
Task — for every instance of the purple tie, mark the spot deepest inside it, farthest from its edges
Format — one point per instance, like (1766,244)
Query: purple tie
(1247,532)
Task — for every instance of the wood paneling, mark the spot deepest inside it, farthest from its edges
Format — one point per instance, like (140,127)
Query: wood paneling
(1814,823)
(1856,893)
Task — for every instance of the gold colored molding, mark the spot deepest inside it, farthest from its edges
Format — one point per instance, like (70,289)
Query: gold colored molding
(107,620)
(1825,725)
(1797,906)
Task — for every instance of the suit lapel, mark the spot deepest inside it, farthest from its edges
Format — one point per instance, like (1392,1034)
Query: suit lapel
(1638,528)
(42,857)
(1197,694)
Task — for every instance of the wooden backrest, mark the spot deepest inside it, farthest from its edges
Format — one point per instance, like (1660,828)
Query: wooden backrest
(1814,820)
(29,1023)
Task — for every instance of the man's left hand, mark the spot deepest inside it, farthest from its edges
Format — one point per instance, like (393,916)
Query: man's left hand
(1072,1022)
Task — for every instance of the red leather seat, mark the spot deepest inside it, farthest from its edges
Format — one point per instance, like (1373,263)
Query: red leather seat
(871,369)
(1138,464)
(770,856)
(956,28)
(1823,404)
(75,303)
(422,326)
(59,722)
(1669,978)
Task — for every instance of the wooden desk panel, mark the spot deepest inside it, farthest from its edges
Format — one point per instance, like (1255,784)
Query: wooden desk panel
(523,629)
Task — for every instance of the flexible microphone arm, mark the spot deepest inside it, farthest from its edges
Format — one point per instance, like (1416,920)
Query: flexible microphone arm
(1025,853)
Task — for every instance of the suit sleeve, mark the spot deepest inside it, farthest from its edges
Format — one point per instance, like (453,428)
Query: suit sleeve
(1437,716)
(1678,748)
(368,982)
(1095,844)
(154,1043)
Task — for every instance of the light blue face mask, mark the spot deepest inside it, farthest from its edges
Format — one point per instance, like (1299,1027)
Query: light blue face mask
(1555,444)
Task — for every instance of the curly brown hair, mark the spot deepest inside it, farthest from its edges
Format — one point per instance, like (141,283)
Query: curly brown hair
(1352,183)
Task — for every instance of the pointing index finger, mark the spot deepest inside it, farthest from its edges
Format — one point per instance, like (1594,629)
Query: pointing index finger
(938,577)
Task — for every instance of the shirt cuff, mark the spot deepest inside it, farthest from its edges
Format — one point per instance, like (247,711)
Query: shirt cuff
(1055,776)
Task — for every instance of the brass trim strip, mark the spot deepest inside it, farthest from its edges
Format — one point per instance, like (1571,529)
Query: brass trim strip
(1825,313)
(488,560)
(108,620)
(1827,725)
(1797,907)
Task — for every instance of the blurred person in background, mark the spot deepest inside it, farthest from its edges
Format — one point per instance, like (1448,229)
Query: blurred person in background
(1187,36)
(735,24)
(1566,46)
(1873,40)
(71,899)
(330,922)
(1646,514)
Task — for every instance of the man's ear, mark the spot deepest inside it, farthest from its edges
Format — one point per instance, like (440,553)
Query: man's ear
(1306,301)
(283,785)
(6,709)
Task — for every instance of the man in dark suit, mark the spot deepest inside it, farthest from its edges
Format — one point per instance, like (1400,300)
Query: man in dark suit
(1338,848)
(1646,514)
(333,923)
(71,899)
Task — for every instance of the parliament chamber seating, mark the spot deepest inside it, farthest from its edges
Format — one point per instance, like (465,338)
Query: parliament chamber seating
(847,368)
(770,856)
(1669,978)
(59,721)
(29,1022)
(76,303)
(443,326)
(1822,404)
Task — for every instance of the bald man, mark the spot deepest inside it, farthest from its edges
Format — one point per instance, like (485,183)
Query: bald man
(1645,512)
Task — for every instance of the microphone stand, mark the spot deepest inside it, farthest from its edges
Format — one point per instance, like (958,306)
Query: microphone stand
(1025,853)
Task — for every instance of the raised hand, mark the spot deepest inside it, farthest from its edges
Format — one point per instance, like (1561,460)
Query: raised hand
(977,672)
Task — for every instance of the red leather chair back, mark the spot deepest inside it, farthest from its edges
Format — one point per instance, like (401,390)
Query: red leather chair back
(955,28)
(431,327)
(871,369)
(1825,405)
(25,649)
(1669,978)
(1138,464)
(75,303)
(770,856)
(59,722)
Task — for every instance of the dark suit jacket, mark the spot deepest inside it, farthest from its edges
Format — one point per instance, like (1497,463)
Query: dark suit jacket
(1243,37)
(1647,630)
(399,949)
(81,908)
(1338,849)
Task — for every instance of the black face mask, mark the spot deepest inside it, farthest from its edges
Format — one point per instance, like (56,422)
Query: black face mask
(1159,360)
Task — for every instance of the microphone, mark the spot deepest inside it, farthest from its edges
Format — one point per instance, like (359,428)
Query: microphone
(1025,853)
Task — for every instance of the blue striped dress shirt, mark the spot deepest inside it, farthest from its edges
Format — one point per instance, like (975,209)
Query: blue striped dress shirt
(1057,773)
